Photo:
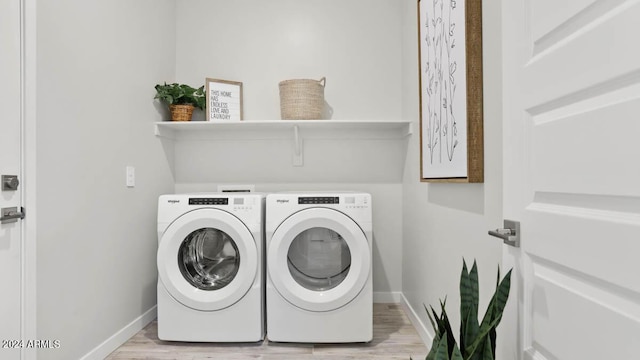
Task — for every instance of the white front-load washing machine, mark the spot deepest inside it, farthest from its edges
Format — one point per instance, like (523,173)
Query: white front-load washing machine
(210,267)
(318,255)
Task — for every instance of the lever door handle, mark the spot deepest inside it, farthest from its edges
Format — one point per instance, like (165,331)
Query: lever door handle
(504,234)
(510,234)
(9,215)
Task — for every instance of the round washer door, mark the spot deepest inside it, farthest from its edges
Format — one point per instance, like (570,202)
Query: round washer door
(319,259)
(207,259)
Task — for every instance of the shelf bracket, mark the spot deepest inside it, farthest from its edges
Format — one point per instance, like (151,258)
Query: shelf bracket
(409,129)
(298,159)
(163,132)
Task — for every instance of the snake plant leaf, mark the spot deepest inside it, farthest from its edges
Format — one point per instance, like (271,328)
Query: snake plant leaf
(456,354)
(469,318)
(486,324)
(484,351)
(470,328)
(492,333)
(499,300)
(465,302)
(442,351)
(487,353)
(438,332)
(489,315)
(502,294)
(484,331)
(473,280)
(492,341)
(440,320)
(447,328)
(439,325)
(433,323)
(434,348)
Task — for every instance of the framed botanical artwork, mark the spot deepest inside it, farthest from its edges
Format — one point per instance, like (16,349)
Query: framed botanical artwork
(224,100)
(450,57)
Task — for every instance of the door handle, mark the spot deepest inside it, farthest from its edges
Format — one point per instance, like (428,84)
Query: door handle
(510,234)
(11,214)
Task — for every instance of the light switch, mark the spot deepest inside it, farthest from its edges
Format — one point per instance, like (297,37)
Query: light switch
(131,176)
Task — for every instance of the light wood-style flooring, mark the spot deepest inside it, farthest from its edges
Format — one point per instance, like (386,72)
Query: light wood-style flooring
(394,337)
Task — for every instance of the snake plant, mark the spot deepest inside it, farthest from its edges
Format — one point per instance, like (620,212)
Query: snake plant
(477,340)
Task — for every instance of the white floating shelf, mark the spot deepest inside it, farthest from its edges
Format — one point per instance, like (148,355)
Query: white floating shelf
(252,129)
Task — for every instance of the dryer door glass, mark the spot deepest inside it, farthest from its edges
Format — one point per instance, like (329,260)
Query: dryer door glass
(319,259)
(208,259)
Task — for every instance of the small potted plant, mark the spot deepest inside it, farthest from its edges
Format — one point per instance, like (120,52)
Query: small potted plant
(181,99)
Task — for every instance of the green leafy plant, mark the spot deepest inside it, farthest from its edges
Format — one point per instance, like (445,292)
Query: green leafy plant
(477,340)
(180,94)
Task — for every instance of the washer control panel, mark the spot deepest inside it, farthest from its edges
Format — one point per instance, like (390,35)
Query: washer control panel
(208,201)
(240,203)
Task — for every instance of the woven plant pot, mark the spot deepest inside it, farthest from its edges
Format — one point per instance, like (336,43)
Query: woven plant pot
(302,99)
(181,112)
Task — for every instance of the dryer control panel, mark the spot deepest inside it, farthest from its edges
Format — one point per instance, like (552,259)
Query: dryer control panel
(346,201)
(356,202)
(318,200)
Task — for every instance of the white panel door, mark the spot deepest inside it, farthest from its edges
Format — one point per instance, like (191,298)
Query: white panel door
(572,177)
(10,150)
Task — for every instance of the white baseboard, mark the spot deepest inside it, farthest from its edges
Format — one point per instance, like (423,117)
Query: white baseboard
(387,297)
(422,330)
(108,346)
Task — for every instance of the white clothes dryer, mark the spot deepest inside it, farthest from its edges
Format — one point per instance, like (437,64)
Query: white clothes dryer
(318,255)
(210,267)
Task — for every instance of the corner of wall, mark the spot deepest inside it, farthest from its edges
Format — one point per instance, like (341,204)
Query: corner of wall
(432,252)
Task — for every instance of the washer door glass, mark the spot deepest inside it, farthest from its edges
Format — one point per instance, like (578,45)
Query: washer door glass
(208,259)
(319,259)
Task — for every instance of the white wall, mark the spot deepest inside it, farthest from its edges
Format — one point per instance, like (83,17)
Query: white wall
(260,43)
(355,44)
(97,63)
(444,223)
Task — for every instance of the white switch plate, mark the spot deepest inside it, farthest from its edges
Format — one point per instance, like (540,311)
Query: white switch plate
(131,176)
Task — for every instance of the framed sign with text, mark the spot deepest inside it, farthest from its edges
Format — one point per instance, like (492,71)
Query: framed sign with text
(224,100)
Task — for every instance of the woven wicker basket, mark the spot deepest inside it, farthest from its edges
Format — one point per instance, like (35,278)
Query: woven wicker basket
(302,99)
(181,112)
